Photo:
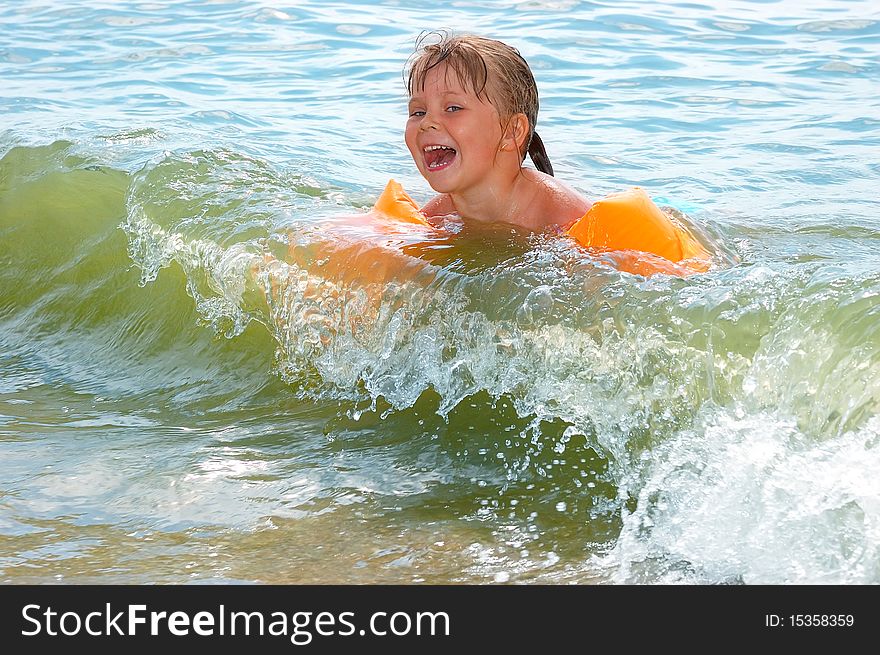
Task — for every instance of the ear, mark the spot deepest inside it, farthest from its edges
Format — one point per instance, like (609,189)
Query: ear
(517,133)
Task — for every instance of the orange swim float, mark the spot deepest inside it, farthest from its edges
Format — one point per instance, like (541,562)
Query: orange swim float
(644,240)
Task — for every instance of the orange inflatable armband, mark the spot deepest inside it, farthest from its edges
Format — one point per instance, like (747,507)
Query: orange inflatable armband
(396,204)
(630,221)
(644,239)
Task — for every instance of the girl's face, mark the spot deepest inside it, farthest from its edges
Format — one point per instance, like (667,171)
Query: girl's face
(452,135)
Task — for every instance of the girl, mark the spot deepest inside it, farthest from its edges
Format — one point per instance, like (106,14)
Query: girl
(472,113)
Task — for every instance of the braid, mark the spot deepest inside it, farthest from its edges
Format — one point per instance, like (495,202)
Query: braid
(539,155)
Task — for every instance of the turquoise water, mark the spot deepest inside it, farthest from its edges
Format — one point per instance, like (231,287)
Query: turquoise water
(185,397)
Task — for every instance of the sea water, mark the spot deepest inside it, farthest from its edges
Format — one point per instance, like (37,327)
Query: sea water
(191,391)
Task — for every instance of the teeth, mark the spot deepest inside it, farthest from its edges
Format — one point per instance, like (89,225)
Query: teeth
(430,148)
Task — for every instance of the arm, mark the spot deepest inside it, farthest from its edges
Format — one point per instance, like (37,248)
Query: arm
(438,206)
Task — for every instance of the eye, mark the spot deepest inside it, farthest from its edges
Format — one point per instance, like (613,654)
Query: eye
(453,108)
(417,112)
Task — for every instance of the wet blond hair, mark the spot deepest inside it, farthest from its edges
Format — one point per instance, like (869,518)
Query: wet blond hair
(492,69)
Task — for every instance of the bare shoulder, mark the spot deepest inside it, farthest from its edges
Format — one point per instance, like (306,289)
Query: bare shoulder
(558,199)
(438,206)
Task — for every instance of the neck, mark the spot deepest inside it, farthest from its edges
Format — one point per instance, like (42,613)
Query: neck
(501,198)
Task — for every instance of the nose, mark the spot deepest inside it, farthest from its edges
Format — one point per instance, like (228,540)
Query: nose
(427,123)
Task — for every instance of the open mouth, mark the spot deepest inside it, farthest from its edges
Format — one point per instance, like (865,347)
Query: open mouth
(438,157)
